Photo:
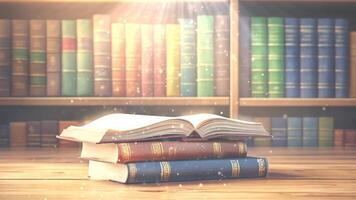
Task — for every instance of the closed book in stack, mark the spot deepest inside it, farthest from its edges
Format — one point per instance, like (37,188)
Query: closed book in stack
(102,55)
(49,130)
(4,135)
(279,131)
(84,58)
(118,59)
(259,57)
(159,60)
(205,55)
(275,57)
(310,131)
(69,58)
(245,57)
(188,57)
(53,59)
(147,60)
(294,131)
(221,55)
(173,60)
(20,58)
(5,57)
(18,134)
(326,131)
(34,134)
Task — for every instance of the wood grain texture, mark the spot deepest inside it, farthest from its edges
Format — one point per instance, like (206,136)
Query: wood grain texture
(295,173)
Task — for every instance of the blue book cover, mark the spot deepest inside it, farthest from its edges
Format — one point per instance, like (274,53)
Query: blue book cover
(4,135)
(310,131)
(279,131)
(294,131)
(308,58)
(292,71)
(341,57)
(188,57)
(326,58)
(245,57)
(192,170)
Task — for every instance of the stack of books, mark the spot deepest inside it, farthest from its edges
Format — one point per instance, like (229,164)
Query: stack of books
(146,149)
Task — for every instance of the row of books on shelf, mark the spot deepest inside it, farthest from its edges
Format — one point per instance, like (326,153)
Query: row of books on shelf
(101,57)
(34,134)
(296,57)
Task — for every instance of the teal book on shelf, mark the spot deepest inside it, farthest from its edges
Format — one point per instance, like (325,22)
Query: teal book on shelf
(294,131)
(310,131)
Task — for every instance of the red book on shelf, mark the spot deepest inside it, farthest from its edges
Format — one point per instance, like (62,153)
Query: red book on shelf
(339,136)
(159,60)
(350,137)
(63,125)
(118,59)
(147,60)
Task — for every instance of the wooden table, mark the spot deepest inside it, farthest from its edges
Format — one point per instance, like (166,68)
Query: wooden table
(295,173)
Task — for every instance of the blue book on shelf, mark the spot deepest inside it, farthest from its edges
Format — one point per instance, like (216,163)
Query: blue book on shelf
(308,58)
(341,57)
(294,131)
(4,135)
(326,72)
(279,131)
(245,57)
(292,71)
(310,131)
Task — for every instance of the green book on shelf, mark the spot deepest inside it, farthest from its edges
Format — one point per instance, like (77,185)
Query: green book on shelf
(173,61)
(84,57)
(69,58)
(259,57)
(275,57)
(326,131)
(205,55)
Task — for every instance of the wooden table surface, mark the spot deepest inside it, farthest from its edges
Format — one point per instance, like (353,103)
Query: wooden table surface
(295,173)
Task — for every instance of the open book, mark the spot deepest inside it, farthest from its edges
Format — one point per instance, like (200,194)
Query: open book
(114,128)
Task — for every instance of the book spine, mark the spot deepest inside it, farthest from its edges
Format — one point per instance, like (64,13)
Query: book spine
(147,60)
(205,55)
(261,141)
(350,138)
(245,57)
(352,78)
(197,170)
(275,57)
(259,51)
(53,58)
(38,58)
(156,151)
(4,135)
(20,58)
(294,132)
(173,61)
(118,59)
(188,58)
(326,71)
(308,58)
(33,133)
(133,60)
(326,131)
(63,125)
(49,130)
(102,55)
(279,131)
(221,55)
(292,56)
(339,137)
(69,61)
(18,134)
(310,131)
(159,60)
(341,30)
(84,57)
(5,57)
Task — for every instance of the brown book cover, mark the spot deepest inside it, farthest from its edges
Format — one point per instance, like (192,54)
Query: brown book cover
(53,50)
(222,55)
(263,142)
(147,60)
(118,59)
(5,57)
(63,125)
(164,150)
(350,137)
(352,92)
(33,133)
(159,60)
(49,131)
(339,137)
(18,137)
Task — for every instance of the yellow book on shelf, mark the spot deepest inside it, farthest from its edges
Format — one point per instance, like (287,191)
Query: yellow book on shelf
(173,61)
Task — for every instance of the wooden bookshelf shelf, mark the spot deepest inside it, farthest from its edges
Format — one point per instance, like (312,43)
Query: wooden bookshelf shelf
(110,1)
(114,101)
(297,102)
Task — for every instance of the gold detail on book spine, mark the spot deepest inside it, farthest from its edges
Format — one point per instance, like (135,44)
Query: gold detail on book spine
(217,150)
(242,148)
(125,151)
(235,168)
(132,172)
(261,167)
(165,171)
(157,149)
(172,151)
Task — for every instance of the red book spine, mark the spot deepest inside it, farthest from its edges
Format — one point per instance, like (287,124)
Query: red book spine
(350,137)
(159,60)
(175,150)
(147,60)
(63,125)
(339,135)
(118,59)
(69,44)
